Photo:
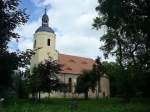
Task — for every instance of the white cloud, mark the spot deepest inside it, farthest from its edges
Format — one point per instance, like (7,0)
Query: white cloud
(87,47)
(25,44)
(28,29)
(72,20)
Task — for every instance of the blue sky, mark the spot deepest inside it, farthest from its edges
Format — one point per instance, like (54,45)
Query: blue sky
(72,21)
(31,9)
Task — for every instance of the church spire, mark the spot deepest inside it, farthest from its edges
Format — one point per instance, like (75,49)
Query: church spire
(45,11)
(45,19)
(45,23)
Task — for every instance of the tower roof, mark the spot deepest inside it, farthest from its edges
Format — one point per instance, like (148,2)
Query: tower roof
(45,24)
(44,29)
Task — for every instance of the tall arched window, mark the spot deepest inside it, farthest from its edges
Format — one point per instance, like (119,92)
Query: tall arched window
(48,42)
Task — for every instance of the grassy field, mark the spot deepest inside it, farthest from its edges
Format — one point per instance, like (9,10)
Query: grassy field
(63,105)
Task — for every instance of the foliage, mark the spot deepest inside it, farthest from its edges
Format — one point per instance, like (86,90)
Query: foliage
(127,38)
(61,87)
(25,57)
(10,18)
(113,70)
(127,83)
(90,79)
(85,82)
(98,70)
(43,77)
(20,84)
(8,63)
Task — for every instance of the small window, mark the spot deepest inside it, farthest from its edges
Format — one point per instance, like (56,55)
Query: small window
(48,42)
(34,43)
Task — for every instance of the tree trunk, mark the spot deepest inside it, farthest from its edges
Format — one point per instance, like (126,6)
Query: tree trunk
(49,94)
(64,94)
(86,95)
(39,96)
(120,53)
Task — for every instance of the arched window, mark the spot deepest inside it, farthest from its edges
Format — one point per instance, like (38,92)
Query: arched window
(34,43)
(70,84)
(48,42)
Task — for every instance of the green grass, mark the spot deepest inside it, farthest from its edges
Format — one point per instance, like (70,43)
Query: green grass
(63,105)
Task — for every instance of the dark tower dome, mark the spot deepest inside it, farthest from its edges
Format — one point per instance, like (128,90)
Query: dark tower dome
(45,25)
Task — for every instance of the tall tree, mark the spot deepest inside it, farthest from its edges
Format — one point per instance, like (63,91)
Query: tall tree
(85,82)
(8,63)
(10,18)
(90,79)
(127,36)
(98,70)
(43,77)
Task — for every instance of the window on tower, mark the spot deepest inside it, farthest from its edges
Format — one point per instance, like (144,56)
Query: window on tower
(34,43)
(48,42)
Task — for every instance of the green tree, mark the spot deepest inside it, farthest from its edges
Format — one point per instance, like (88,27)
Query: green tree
(127,37)
(25,58)
(10,18)
(43,77)
(20,84)
(90,79)
(8,63)
(85,82)
(125,84)
(98,70)
(112,69)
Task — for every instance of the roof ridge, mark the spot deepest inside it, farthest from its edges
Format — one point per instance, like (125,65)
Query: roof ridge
(77,56)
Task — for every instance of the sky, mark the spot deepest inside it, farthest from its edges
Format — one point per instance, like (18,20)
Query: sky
(72,22)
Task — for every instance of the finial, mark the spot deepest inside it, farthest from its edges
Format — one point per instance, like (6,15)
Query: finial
(45,19)
(45,10)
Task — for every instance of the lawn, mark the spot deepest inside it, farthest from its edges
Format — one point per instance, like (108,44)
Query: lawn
(63,105)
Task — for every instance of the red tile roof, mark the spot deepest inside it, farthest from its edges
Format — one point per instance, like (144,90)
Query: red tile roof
(74,64)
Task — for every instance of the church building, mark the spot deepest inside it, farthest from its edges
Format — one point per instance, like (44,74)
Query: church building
(45,41)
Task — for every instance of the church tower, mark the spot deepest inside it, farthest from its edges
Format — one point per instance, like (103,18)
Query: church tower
(44,43)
